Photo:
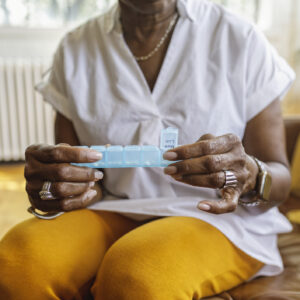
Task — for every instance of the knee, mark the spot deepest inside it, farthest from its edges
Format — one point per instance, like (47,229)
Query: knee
(23,271)
(125,275)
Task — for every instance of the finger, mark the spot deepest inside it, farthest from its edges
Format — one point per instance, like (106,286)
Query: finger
(60,189)
(67,204)
(63,154)
(207,136)
(227,204)
(213,180)
(201,165)
(62,172)
(218,145)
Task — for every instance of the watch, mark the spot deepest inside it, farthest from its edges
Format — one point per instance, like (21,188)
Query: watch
(264,181)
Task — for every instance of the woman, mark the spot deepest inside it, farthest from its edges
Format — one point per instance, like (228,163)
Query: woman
(156,234)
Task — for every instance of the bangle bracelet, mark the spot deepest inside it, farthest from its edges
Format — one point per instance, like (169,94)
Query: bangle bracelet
(254,203)
(250,204)
(46,216)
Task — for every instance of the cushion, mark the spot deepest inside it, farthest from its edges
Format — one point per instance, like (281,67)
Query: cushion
(295,170)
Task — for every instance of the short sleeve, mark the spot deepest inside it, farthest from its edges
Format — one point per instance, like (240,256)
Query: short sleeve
(53,85)
(268,76)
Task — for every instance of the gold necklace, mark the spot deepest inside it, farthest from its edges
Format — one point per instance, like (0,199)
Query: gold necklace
(159,44)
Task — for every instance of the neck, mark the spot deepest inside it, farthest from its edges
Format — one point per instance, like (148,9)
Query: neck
(146,16)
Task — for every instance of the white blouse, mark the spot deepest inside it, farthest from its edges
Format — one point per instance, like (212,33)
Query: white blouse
(218,73)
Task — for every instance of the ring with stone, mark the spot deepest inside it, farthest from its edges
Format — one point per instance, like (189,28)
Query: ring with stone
(45,193)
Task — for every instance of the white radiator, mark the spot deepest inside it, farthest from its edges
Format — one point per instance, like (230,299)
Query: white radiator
(25,118)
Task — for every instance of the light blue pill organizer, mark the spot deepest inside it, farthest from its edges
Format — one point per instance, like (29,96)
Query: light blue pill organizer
(135,156)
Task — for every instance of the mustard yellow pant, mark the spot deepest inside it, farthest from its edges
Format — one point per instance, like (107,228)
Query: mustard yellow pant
(110,257)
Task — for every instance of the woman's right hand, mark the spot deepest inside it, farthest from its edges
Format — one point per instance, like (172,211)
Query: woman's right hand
(70,185)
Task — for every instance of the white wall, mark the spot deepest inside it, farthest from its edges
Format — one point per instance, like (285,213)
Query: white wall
(29,42)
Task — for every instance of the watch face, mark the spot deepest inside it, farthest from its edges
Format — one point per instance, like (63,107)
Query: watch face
(264,185)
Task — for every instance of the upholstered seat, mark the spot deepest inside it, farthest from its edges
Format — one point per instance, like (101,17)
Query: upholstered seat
(285,286)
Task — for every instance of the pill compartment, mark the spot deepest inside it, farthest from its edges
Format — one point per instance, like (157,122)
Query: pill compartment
(150,155)
(102,162)
(114,155)
(132,155)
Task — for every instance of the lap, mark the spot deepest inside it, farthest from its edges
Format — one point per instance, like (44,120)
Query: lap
(67,250)
(186,255)
(169,258)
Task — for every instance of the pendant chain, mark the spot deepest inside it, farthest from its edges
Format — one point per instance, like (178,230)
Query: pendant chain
(160,43)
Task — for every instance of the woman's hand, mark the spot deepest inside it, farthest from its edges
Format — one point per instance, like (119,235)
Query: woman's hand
(203,164)
(70,185)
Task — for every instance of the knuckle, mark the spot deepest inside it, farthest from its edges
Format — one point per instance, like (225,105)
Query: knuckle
(184,167)
(55,154)
(210,163)
(30,150)
(28,153)
(28,173)
(62,172)
(233,138)
(207,147)
(240,161)
(217,161)
(59,189)
(185,152)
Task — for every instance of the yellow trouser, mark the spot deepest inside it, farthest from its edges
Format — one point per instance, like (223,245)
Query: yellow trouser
(117,258)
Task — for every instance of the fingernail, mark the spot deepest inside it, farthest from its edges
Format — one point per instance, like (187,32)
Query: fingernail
(91,193)
(91,184)
(170,170)
(98,175)
(94,155)
(170,155)
(203,206)
(178,177)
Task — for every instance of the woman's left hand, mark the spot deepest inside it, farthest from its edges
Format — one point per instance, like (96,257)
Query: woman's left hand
(203,164)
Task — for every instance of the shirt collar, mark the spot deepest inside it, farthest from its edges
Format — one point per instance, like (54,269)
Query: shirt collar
(112,17)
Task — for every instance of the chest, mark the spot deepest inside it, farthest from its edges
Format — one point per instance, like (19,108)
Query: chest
(184,86)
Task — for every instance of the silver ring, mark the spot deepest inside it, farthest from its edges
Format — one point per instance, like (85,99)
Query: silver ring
(230,180)
(45,193)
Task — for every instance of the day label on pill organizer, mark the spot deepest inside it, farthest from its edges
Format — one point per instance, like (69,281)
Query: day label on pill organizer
(133,156)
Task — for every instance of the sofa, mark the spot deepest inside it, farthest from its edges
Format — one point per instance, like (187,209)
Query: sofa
(285,286)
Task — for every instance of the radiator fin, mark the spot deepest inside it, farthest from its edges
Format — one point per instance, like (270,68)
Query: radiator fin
(25,118)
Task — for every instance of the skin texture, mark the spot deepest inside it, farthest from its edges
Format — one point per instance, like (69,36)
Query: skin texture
(144,22)
(203,162)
